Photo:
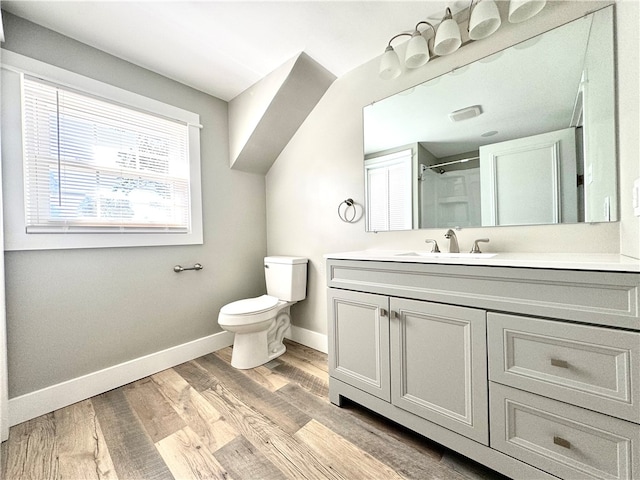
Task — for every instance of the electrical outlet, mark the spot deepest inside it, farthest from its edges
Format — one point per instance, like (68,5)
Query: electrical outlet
(636,197)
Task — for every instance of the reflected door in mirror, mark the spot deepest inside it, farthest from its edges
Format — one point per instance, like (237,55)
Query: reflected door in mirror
(530,180)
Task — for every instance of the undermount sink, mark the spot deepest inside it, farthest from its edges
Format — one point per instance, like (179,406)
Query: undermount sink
(446,255)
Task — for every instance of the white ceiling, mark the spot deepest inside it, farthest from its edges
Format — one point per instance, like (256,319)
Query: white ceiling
(224,47)
(537,95)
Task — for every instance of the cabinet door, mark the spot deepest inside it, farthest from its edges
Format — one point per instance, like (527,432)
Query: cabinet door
(359,340)
(439,365)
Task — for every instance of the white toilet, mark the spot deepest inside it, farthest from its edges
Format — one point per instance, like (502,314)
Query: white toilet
(259,323)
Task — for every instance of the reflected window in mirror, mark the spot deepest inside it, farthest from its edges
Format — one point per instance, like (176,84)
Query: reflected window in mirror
(389,192)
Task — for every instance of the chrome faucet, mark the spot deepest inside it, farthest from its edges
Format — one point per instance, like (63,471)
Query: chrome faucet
(453,241)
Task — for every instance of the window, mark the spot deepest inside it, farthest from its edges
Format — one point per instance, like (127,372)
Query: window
(388,190)
(92,165)
(97,161)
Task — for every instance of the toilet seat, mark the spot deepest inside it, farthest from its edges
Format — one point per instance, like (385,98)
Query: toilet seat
(249,306)
(249,310)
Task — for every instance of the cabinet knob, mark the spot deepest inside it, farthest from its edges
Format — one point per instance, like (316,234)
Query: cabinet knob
(559,363)
(562,442)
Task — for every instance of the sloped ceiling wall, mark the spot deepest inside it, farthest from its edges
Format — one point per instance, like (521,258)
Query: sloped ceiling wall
(265,117)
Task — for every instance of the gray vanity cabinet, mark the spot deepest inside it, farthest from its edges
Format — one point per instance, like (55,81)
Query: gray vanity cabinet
(397,349)
(533,372)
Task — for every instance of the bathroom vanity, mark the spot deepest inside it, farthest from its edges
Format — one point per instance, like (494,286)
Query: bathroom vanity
(527,364)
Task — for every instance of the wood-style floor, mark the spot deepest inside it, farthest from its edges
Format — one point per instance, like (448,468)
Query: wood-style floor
(206,420)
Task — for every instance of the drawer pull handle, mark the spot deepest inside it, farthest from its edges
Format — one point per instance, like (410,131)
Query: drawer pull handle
(562,442)
(559,363)
(383,312)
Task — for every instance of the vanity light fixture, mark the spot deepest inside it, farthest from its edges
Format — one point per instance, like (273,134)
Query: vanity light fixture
(484,20)
(390,67)
(447,36)
(521,10)
(417,49)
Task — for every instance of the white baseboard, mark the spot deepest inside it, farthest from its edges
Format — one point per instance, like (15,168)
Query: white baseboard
(309,338)
(34,404)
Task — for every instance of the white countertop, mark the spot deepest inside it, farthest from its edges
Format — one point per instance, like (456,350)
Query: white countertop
(562,261)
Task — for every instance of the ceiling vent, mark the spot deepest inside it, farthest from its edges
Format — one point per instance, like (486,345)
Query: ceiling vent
(465,113)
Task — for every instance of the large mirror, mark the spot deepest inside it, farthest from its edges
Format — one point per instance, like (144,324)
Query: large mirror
(525,136)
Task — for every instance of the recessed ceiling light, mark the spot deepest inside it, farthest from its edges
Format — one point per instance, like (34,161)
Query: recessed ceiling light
(408,91)
(492,58)
(459,70)
(431,83)
(527,43)
(490,133)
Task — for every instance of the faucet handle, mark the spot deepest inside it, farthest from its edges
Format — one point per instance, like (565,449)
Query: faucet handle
(435,248)
(476,248)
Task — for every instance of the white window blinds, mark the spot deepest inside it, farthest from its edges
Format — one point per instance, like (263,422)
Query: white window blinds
(96,166)
(389,196)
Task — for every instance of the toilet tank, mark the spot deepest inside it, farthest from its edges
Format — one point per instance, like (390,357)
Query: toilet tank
(286,277)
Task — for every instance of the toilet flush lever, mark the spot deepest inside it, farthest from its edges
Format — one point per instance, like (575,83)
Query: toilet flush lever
(179,268)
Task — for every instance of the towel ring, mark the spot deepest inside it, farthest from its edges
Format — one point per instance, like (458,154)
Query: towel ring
(350,206)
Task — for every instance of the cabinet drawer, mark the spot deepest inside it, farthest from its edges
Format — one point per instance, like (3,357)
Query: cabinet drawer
(591,367)
(562,439)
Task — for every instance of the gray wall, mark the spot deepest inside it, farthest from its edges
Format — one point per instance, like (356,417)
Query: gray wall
(72,312)
(323,165)
(628,111)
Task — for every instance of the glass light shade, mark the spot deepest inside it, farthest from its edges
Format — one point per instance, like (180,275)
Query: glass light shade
(485,20)
(417,51)
(447,38)
(390,64)
(521,10)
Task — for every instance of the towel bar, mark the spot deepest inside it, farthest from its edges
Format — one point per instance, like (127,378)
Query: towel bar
(179,268)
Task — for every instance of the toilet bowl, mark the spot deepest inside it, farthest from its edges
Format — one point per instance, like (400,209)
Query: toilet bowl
(259,324)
